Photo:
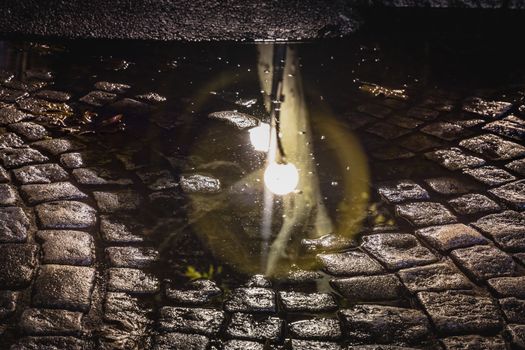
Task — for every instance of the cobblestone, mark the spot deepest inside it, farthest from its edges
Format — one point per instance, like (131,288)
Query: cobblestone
(457,313)
(181,341)
(67,287)
(490,175)
(132,281)
(486,108)
(512,193)
(58,146)
(11,140)
(506,128)
(473,203)
(29,130)
(384,324)
(40,174)
(449,186)
(447,237)
(316,329)
(116,88)
(65,215)
(137,257)
(67,247)
(50,322)
(508,286)
(374,110)
(190,320)
(422,113)
(14,225)
(517,166)
(454,159)
(246,326)
(425,213)
(57,191)
(14,158)
(397,250)
(251,300)
(513,309)
(484,262)
(117,201)
(493,147)
(369,288)
(51,343)
(158,180)
(120,307)
(197,292)
(434,278)
(98,98)
(351,263)
(7,195)
(307,302)
(52,95)
(444,130)
(18,263)
(242,345)
(403,191)
(473,342)
(506,228)
(121,229)
(10,115)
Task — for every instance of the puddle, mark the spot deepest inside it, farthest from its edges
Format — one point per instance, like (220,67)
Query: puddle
(185,133)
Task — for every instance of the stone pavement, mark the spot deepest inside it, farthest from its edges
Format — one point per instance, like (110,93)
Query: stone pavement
(440,264)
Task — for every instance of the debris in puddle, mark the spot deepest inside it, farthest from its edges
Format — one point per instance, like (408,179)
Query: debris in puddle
(198,183)
(378,90)
(237,119)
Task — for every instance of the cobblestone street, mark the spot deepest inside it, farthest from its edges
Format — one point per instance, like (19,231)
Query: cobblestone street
(92,182)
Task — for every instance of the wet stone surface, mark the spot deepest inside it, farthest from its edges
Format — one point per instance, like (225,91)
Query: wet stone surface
(425,213)
(384,324)
(369,288)
(457,313)
(473,204)
(246,326)
(317,328)
(120,177)
(65,214)
(67,247)
(18,263)
(435,277)
(396,250)
(484,262)
(506,228)
(67,287)
(14,225)
(40,174)
(251,300)
(447,237)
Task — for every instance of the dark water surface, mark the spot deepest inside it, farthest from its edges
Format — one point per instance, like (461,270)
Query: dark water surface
(376,104)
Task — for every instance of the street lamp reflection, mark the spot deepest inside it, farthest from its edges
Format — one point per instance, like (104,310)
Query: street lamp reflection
(281,179)
(260,137)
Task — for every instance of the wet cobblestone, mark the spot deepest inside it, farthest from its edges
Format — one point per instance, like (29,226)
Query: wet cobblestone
(99,198)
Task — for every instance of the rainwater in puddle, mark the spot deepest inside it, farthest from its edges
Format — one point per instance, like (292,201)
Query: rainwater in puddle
(190,132)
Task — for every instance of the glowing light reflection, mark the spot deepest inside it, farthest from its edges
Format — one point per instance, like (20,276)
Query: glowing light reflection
(281,179)
(260,137)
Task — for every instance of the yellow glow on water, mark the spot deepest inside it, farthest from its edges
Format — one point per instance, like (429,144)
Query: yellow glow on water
(260,137)
(281,179)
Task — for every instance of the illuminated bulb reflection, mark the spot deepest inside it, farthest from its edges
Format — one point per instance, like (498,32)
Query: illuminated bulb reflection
(260,137)
(281,179)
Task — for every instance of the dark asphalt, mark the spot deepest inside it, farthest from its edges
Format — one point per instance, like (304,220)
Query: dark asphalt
(203,20)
